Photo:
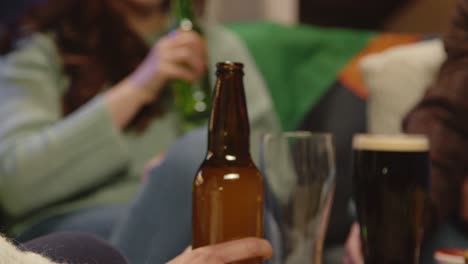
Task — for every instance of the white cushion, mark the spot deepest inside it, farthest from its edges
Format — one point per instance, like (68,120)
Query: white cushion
(396,80)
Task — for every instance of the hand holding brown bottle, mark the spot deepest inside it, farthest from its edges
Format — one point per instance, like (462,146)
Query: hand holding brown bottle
(227,252)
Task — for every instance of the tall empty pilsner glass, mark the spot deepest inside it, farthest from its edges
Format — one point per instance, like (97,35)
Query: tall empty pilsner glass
(299,169)
(391,178)
(228,190)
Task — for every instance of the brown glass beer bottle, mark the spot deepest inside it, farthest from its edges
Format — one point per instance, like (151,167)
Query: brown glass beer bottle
(228,190)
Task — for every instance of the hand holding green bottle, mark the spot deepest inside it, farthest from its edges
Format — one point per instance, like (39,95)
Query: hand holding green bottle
(180,56)
(192,99)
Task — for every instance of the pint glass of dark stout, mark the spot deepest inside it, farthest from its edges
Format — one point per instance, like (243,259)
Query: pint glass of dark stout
(391,179)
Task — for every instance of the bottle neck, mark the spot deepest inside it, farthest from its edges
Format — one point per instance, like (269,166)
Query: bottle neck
(228,136)
(183,10)
(184,18)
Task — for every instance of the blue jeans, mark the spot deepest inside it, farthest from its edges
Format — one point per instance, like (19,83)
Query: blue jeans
(156,226)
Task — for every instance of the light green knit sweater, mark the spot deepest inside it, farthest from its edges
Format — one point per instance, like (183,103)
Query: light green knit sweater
(50,164)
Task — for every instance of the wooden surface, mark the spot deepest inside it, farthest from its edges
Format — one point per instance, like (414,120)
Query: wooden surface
(349,13)
(428,16)
(424,16)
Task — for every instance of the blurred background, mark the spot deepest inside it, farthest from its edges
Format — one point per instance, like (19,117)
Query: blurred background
(411,16)
(428,16)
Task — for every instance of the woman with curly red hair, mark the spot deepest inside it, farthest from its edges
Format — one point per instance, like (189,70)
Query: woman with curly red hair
(84,107)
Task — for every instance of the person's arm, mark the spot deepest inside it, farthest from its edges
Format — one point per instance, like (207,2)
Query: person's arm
(44,158)
(54,158)
(449,156)
(442,116)
(227,252)
(181,55)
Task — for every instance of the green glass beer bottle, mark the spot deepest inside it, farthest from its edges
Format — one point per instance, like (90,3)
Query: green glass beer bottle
(192,100)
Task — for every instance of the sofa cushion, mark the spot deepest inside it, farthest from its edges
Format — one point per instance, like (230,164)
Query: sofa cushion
(396,80)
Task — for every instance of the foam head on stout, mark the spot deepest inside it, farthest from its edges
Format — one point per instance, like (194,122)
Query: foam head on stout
(397,143)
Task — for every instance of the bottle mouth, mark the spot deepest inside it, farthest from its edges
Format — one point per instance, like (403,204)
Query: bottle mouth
(229,66)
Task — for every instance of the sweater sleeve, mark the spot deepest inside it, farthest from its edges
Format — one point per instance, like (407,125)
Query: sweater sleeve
(11,254)
(45,158)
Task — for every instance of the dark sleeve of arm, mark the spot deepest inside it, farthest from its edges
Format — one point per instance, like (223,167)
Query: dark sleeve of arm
(442,115)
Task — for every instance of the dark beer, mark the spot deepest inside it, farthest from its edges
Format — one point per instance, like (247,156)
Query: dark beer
(391,177)
(228,188)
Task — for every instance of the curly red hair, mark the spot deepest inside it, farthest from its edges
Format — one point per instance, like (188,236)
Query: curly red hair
(97,46)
